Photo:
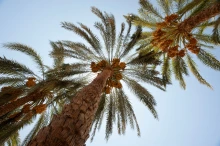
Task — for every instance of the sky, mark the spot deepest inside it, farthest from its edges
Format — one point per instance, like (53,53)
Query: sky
(188,117)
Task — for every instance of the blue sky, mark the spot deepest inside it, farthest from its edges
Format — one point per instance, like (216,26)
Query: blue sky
(188,117)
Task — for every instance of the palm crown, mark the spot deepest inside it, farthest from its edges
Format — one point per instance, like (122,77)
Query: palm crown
(167,33)
(126,65)
(25,94)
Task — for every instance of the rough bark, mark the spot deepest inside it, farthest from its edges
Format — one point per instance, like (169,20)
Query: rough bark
(188,24)
(72,126)
(4,109)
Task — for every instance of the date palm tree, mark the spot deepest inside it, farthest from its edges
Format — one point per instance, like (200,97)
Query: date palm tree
(180,33)
(112,64)
(25,94)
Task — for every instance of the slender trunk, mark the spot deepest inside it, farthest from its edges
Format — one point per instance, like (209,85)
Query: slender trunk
(4,109)
(190,23)
(72,126)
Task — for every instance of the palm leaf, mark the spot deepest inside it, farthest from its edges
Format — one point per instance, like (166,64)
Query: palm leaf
(142,94)
(146,5)
(11,67)
(179,68)
(216,31)
(208,59)
(195,71)
(29,51)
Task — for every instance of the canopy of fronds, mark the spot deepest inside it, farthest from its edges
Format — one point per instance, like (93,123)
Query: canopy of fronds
(164,34)
(114,50)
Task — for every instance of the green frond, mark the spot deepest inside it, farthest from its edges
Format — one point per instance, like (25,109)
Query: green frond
(57,49)
(110,118)
(147,76)
(98,115)
(137,21)
(29,51)
(166,71)
(10,80)
(179,68)
(112,29)
(11,128)
(104,35)
(147,58)
(147,6)
(126,39)
(189,6)
(67,70)
(122,112)
(94,38)
(119,40)
(81,49)
(106,28)
(165,5)
(11,67)
(206,46)
(131,115)
(99,14)
(77,54)
(199,8)
(14,140)
(208,59)
(193,68)
(216,32)
(180,4)
(204,38)
(147,16)
(142,94)
(82,33)
(134,38)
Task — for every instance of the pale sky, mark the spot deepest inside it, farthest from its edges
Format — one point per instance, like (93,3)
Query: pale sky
(188,117)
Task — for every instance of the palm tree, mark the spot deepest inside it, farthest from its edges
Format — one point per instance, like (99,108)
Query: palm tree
(179,32)
(25,94)
(114,65)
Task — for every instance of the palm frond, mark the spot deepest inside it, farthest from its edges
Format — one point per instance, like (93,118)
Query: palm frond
(119,41)
(94,39)
(98,115)
(165,5)
(199,8)
(142,94)
(216,31)
(29,51)
(146,5)
(179,68)
(204,38)
(57,49)
(166,71)
(82,33)
(189,6)
(208,59)
(11,67)
(147,58)
(180,4)
(195,71)
(147,76)
(134,38)
(10,80)
(14,140)
(110,118)
(139,21)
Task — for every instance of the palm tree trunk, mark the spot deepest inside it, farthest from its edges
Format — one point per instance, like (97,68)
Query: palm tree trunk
(72,126)
(188,24)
